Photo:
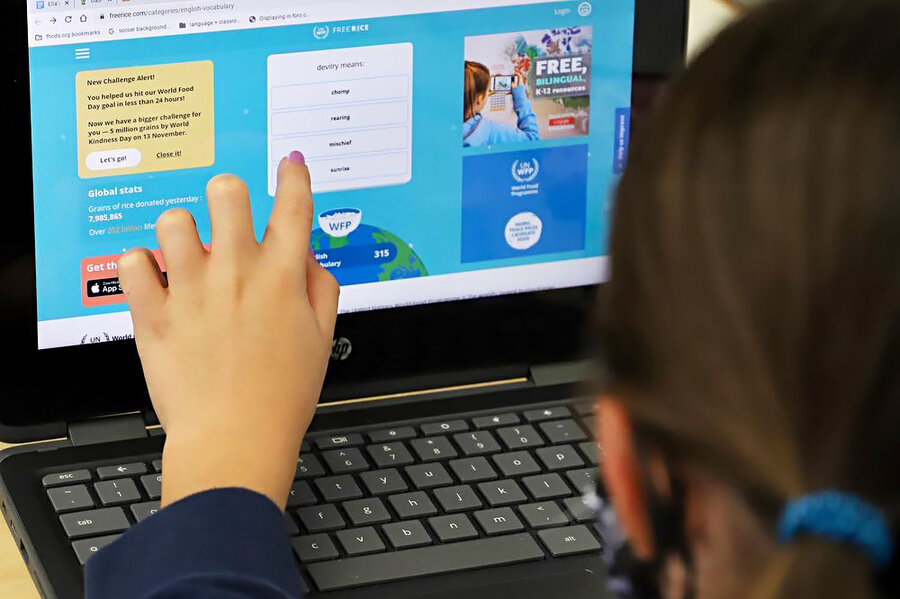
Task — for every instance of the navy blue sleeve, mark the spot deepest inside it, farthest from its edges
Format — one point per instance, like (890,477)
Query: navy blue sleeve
(226,543)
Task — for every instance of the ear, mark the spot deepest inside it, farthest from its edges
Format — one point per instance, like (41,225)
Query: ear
(622,475)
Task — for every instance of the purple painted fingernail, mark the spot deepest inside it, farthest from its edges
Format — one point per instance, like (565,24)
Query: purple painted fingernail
(312,254)
(297,157)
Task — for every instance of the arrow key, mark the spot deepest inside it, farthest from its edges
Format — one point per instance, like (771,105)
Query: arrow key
(121,470)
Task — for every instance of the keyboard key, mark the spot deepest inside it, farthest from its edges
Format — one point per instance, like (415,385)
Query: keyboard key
(499,521)
(68,499)
(406,534)
(152,484)
(412,505)
(319,518)
(544,514)
(502,492)
(434,448)
(338,441)
(116,492)
(553,413)
(472,470)
(305,446)
(400,433)
(121,471)
(291,525)
(360,541)
(314,548)
(387,455)
(94,523)
(477,443)
(559,457)
(520,437)
(67,478)
(383,482)
(157,465)
(142,511)
(570,540)
(301,494)
(580,509)
(455,527)
(427,476)
(441,428)
(546,486)
(424,561)
(341,461)
(516,463)
(88,547)
(584,408)
(366,511)
(338,488)
(457,499)
(583,480)
(591,452)
(563,431)
(495,420)
(309,466)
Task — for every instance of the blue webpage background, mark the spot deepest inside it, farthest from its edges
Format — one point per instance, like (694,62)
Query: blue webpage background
(426,212)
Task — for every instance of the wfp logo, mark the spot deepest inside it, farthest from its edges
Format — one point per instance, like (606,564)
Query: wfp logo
(525,171)
(320,32)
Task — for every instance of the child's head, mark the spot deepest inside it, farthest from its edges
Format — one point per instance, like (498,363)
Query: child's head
(477,84)
(751,331)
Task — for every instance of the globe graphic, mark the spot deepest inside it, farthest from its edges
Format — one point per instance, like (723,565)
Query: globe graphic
(367,255)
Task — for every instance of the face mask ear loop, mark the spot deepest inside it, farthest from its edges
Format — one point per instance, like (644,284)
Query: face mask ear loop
(667,517)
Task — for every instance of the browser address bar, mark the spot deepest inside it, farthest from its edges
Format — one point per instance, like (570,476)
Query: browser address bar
(171,10)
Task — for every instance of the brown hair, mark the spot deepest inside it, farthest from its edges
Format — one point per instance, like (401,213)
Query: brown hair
(477,81)
(752,325)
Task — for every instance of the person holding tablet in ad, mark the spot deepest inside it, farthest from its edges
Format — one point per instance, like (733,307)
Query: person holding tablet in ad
(479,130)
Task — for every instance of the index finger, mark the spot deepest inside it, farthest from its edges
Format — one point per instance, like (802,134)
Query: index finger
(291,221)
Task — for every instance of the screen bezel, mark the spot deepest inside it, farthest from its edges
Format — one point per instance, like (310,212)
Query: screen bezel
(431,345)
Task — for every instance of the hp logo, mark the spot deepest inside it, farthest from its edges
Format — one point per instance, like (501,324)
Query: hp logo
(341,349)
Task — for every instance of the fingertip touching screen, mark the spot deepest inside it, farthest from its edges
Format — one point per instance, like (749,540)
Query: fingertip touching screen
(457,148)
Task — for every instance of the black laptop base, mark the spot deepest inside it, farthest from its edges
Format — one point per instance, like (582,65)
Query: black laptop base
(410,499)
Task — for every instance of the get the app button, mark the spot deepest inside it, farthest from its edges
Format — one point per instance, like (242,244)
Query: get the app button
(113,159)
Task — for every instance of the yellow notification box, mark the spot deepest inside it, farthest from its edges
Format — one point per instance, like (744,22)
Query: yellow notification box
(145,119)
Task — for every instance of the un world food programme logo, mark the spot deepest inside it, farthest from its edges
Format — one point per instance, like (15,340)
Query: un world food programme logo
(320,32)
(526,171)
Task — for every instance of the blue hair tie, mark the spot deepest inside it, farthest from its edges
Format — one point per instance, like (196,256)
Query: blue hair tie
(840,518)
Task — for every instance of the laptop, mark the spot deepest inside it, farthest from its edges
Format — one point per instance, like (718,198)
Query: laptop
(454,432)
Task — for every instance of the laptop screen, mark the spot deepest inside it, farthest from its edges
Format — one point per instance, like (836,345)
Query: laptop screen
(457,148)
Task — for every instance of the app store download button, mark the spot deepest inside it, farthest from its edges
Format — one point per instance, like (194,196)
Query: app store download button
(106,160)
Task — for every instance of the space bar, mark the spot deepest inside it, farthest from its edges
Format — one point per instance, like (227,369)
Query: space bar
(437,559)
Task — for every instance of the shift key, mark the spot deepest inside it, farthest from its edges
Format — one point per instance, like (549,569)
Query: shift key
(94,522)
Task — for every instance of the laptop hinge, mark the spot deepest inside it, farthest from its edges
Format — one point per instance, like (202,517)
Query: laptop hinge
(562,373)
(108,429)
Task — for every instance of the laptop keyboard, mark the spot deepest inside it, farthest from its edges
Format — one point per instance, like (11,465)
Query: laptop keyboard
(395,503)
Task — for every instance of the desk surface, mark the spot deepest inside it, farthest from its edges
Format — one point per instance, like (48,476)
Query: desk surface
(707,16)
(15,581)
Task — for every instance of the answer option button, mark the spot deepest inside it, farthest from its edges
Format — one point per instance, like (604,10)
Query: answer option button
(336,173)
(343,143)
(106,160)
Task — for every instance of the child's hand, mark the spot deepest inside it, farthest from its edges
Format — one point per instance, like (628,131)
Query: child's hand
(235,348)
